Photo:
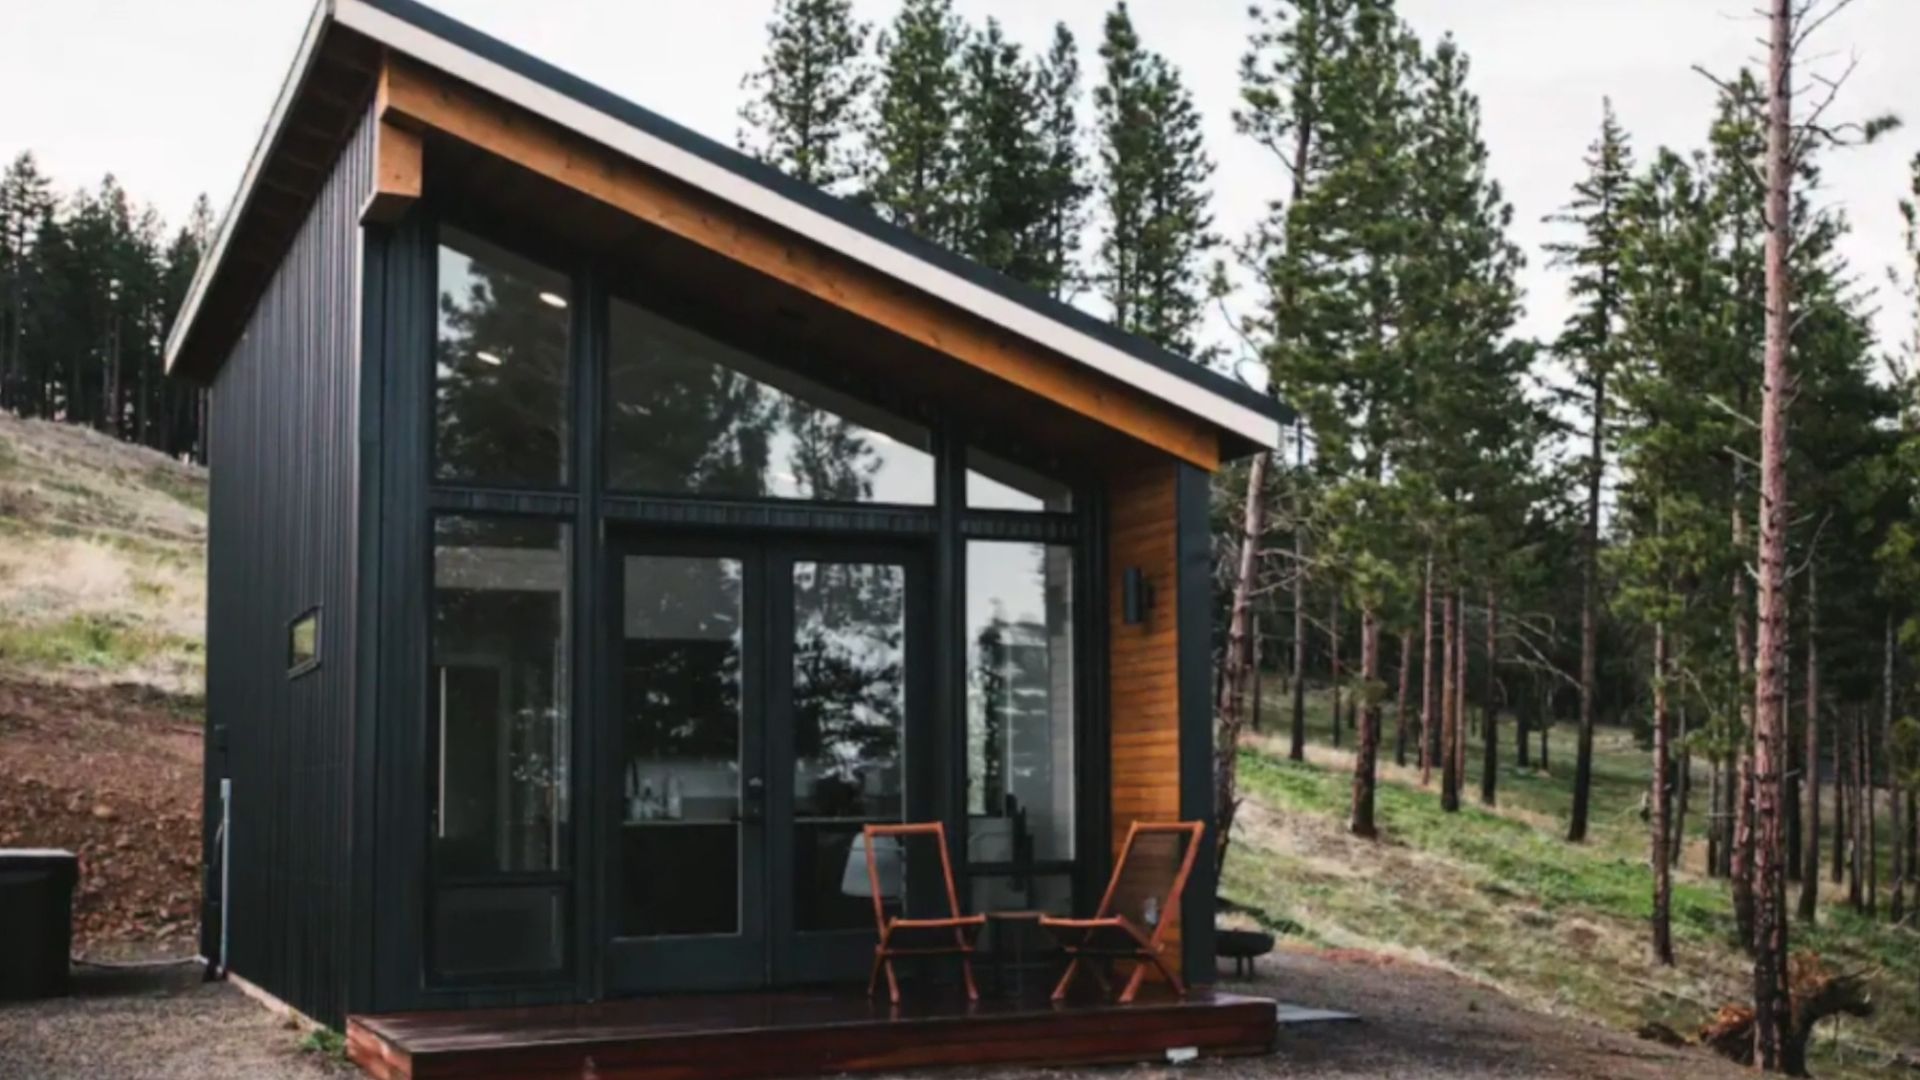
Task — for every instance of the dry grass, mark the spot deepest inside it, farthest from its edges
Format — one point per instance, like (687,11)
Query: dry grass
(102,561)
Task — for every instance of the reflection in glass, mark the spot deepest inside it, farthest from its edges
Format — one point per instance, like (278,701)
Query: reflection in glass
(1020,764)
(689,415)
(680,693)
(849,729)
(500,671)
(994,484)
(500,367)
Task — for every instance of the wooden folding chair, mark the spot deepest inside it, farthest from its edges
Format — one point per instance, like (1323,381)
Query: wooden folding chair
(1141,902)
(902,936)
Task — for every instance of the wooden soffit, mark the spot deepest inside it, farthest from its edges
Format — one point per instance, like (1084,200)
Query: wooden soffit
(413,98)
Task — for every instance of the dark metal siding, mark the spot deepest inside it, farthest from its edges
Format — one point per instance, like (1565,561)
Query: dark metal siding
(284,534)
(1194,560)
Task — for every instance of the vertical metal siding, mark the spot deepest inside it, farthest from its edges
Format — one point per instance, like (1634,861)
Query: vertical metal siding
(1194,597)
(284,520)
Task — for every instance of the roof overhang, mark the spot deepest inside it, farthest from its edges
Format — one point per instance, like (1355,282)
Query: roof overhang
(1248,418)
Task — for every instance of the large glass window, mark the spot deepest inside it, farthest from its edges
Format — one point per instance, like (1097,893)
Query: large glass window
(500,369)
(689,415)
(849,727)
(996,484)
(682,683)
(500,671)
(1020,753)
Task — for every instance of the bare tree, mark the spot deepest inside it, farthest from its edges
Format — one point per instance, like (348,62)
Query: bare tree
(1810,782)
(1662,802)
(1771,1005)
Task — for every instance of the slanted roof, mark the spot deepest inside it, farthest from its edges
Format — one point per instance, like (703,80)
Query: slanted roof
(332,79)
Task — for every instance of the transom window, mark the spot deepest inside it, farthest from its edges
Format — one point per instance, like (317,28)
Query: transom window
(500,385)
(688,415)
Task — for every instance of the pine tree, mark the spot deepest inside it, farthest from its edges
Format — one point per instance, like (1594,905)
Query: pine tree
(1282,84)
(912,154)
(1000,213)
(806,93)
(1588,342)
(1153,187)
(1670,360)
(1061,184)
(26,203)
(1476,431)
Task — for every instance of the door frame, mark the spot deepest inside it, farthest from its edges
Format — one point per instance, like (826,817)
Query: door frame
(796,957)
(768,951)
(635,965)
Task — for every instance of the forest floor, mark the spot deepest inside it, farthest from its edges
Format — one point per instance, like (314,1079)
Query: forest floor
(1500,898)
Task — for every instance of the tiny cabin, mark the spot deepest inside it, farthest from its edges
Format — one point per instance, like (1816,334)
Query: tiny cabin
(605,528)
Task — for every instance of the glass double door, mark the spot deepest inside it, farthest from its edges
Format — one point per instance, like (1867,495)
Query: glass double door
(765,708)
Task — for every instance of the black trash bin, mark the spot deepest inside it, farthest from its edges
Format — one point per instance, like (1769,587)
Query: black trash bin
(36,921)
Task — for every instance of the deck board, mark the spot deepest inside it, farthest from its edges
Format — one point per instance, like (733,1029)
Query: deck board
(744,1036)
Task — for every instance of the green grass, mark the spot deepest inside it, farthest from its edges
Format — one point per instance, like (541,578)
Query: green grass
(325,1042)
(185,489)
(88,641)
(1500,895)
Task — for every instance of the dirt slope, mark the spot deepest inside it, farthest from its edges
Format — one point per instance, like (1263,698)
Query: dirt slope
(102,594)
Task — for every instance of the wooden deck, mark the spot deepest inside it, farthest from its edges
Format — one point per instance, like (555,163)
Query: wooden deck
(737,1036)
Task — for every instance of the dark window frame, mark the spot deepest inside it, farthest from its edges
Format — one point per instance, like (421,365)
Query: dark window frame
(587,506)
(501,504)
(578,288)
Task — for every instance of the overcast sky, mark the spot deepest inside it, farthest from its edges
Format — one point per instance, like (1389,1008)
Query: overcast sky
(170,96)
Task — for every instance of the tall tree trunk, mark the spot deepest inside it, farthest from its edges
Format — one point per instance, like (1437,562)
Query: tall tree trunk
(1429,718)
(1546,733)
(1856,810)
(1810,754)
(1662,801)
(1683,771)
(1490,718)
(1236,667)
(1897,906)
(1523,725)
(1716,817)
(1459,750)
(1449,719)
(1333,650)
(1876,755)
(1739,855)
(1589,614)
(1366,755)
(1775,1046)
(1400,700)
(1297,746)
(1842,788)
(1256,715)
(1237,663)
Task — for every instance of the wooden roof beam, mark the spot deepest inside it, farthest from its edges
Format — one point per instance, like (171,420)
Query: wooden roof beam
(414,97)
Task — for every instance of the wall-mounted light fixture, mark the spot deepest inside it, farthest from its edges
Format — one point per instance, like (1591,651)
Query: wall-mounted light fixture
(1136,596)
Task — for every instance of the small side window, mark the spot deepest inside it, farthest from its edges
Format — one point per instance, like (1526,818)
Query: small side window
(303,643)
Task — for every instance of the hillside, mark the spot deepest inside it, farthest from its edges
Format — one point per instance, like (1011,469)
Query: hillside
(1499,897)
(102,593)
(103,569)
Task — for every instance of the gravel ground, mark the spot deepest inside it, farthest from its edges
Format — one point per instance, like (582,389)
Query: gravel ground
(1416,1023)
(165,1024)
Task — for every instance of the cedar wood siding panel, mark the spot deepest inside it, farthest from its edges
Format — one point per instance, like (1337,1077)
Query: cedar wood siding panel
(1143,680)
(283,538)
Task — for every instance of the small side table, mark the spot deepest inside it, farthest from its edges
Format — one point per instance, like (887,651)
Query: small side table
(1014,933)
